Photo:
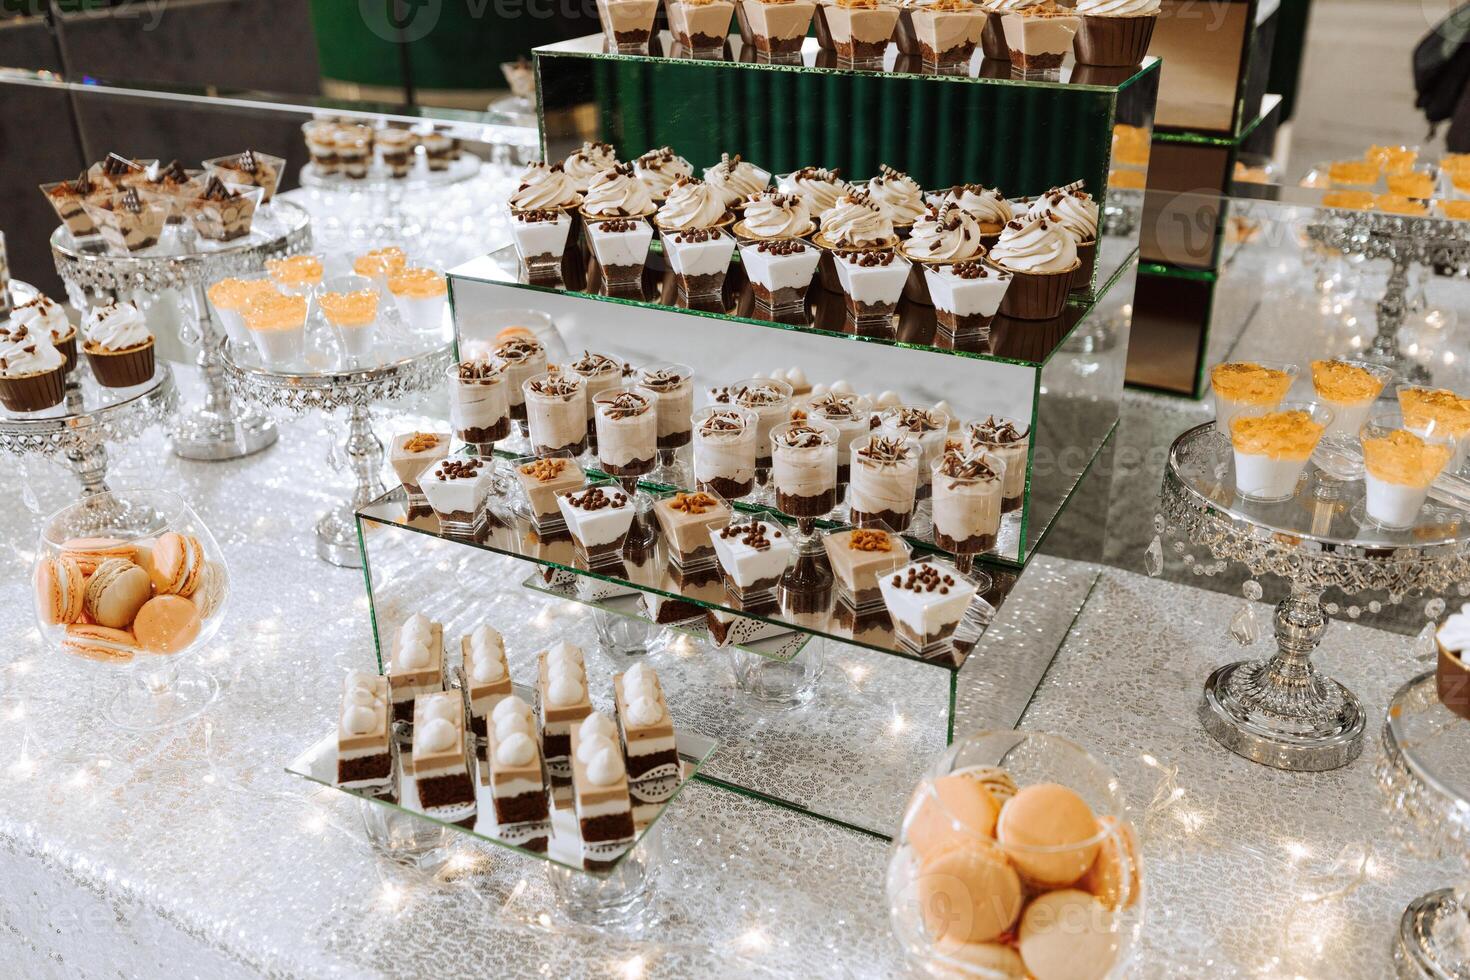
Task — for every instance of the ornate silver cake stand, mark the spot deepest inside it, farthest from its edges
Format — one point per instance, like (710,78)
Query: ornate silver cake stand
(1280,711)
(184,266)
(1425,772)
(1404,241)
(356,391)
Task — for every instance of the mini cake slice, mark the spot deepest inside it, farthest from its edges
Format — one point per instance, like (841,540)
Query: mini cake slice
(753,555)
(441,767)
(415,452)
(599,518)
(859,558)
(601,792)
(562,701)
(364,735)
(728,630)
(648,740)
(486,674)
(926,601)
(416,665)
(541,480)
(516,777)
(687,521)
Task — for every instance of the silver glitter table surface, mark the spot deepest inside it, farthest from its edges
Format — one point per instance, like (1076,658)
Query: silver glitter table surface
(196,853)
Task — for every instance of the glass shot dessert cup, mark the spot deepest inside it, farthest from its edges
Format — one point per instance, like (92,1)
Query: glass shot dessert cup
(479,411)
(968,489)
(1440,410)
(627,24)
(1010,441)
(627,447)
(804,472)
(350,305)
(1272,447)
(1241,385)
(673,387)
(770,400)
(1399,467)
(556,414)
(1349,388)
(227,298)
(884,481)
(724,450)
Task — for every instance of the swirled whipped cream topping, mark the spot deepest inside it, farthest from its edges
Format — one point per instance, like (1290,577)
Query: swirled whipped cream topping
(857,221)
(1012,5)
(617,193)
(1118,8)
(898,194)
(1075,210)
(592,159)
(544,185)
(820,187)
(1454,632)
(736,178)
(777,215)
(42,316)
(691,204)
(659,169)
(23,352)
(1035,244)
(116,327)
(950,234)
(987,204)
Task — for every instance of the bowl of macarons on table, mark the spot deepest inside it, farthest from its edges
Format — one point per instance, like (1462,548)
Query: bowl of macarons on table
(133,581)
(1017,859)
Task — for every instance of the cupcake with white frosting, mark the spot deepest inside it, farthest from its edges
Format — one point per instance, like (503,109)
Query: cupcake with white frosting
(819,186)
(771,216)
(944,236)
(660,169)
(1114,33)
(900,196)
(987,204)
(737,179)
(32,370)
(592,159)
(42,315)
(693,203)
(1042,258)
(855,223)
(1077,213)
(617,193)
(545,187)
(118,345)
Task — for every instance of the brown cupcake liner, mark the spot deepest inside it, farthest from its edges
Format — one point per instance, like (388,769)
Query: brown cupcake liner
(1113,42)
(122,369)
(1036,295)
(993,39)
(1452,682)
(1087,254)
(68,349)
(33,392)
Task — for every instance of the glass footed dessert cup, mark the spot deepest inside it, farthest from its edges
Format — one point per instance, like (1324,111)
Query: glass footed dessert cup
(1271,451)
(770,401)
(966,510)
(627,447)
(350,306)
(151,548)
(673,384)
(1230,399)
(1399,467)
(976,891)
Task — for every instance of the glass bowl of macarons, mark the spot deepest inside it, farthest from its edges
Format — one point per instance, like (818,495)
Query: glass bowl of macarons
(133,581)
(1016,859)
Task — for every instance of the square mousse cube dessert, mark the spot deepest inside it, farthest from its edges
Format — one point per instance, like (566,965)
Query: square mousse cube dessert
(600,794)
(859,558)
(700,257)
(541,241)
(647,731)
(442,772)
(562,701)
(416,664)
(780,271)
(457,487)
(541,481)
(599,517)
(687,521)
(365,734)
(872,281)
(926,601)
(486,674)
(753,555)
(621,248)
(412,453)
(966,296)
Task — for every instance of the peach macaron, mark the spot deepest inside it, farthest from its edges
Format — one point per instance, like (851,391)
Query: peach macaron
(178,561)
(1049,833)
(115,593)
(61,590)
(167,624)
(101,643)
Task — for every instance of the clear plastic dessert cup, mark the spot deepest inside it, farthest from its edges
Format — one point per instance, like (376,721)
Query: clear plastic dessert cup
(1236,388)
(1399,466)
(350,305)
(724,450)
(421,295)
(1273,445)
(1349,388)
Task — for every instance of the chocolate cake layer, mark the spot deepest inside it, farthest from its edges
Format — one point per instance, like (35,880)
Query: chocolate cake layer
(675,440)
(786,296)
(1010,504)
(634,467)
(973,545)
(574,448)
(446,791)
(949,56)
(365,767)
(640,764)
(728,488)
(891,518)
(522,808)
(795,505)
(608,827)
(1035,62)
(485,433)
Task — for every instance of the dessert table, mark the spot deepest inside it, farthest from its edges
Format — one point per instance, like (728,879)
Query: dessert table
(195,851)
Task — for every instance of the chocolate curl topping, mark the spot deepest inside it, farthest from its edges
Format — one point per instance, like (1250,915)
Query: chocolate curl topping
(247,163)
(804,437)
(518,349)
(835,405)
(759,394)
(865,199)
(914,419)
(590,363)
(996,431)
(624,405)
(962,467)
(557,385)
(721,422)
(662,379)
(884,450)
(885,172)
(480,370)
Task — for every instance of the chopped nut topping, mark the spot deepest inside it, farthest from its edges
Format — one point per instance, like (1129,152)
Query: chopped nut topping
(865,539)
(692,503)
(544,470)
(420,441)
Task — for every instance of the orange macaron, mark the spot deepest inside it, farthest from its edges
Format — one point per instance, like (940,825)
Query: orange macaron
(178,561)
(88,553)
(61,590)
(115,593)
(99,643)
(166,624)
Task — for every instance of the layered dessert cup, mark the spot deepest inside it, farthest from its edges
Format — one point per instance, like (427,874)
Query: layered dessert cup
(966,297)
(627,24)
(252,168)
(1437,411)
(599,373)
(457,488)
(620,246)
(1009,441)
(860,29)
(700,26)
(1349,389)
(524,358)
(599,517)
(947,32)
(1041,256)
(859,558)
(780,274)
(627,431)
(353,147)
(673,389)
(556,414)
(687,521)
(770,401)
(804,470)
(396,148)
(1114,33)
(67,198)
(926,601)
(227,298)
(849,414)
(1239,386)
(410,454)
(753,556)
(542,480)
(420,295)
(350,305)
(967,492)
(541,242)
(885,481)
(1039,37)
(872,283)
(1399,466)
(778,26)
(479,411)
(700,258)
(724,450)
(223,212)
(129,220)
(926,426)
(1272,447)
(277,324)
(647,734)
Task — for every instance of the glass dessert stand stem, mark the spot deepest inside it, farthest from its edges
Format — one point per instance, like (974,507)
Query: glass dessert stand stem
(1280,711)
(80,428)
(179,274)
(1404,242)
(1425,773)
(356,391)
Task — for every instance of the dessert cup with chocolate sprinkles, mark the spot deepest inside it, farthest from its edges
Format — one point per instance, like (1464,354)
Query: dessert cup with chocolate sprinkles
(724,450)
(673,386)
(627,447)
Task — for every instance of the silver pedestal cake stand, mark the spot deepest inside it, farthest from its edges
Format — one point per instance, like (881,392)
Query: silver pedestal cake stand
(184,266)
(1280,711)
(1425,772)
(356,390)
(91,416)
(1404,242)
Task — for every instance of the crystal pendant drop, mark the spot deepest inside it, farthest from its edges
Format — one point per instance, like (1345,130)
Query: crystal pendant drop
(1252,590)
(1243,628)
(1153,558)
(1434,608)
(1425,647)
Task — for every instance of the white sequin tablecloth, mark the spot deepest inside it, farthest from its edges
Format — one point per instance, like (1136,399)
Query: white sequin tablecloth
(196,854)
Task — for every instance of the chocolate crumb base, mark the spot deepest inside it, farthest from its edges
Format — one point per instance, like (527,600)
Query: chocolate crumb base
(870,311)
(634,467)
(692,559)
(556,747)
(796,505)
(1010,504)
(677,611)
(891,518)
(603,550)
(855,50)
(803,602)
(575,448)
(631,37)
(922,641)
(463,518)
(783,298)
(778,45)
(623,275)
(485,433)
(759,589)
(640,764)
(861,598)
(728,488)
(957,324)
(974,545)
(1033,62)
(365,767)
(700,42)
(607,827)
(452,790)
(702,285)
(521,808)
(949,56)
(675,440)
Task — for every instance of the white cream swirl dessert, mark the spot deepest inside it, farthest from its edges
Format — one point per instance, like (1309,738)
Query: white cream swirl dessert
(987,204)
(898,194)
(692,203)
(950,234)
(819,186)
(617,193)
(43,317)
(660,169)
(775,215)
(1118,8)
(544,186)
(25,352)
(857,221)
(592,159)
(1036,244)
(116,327)
(737,179)
(1074,210)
